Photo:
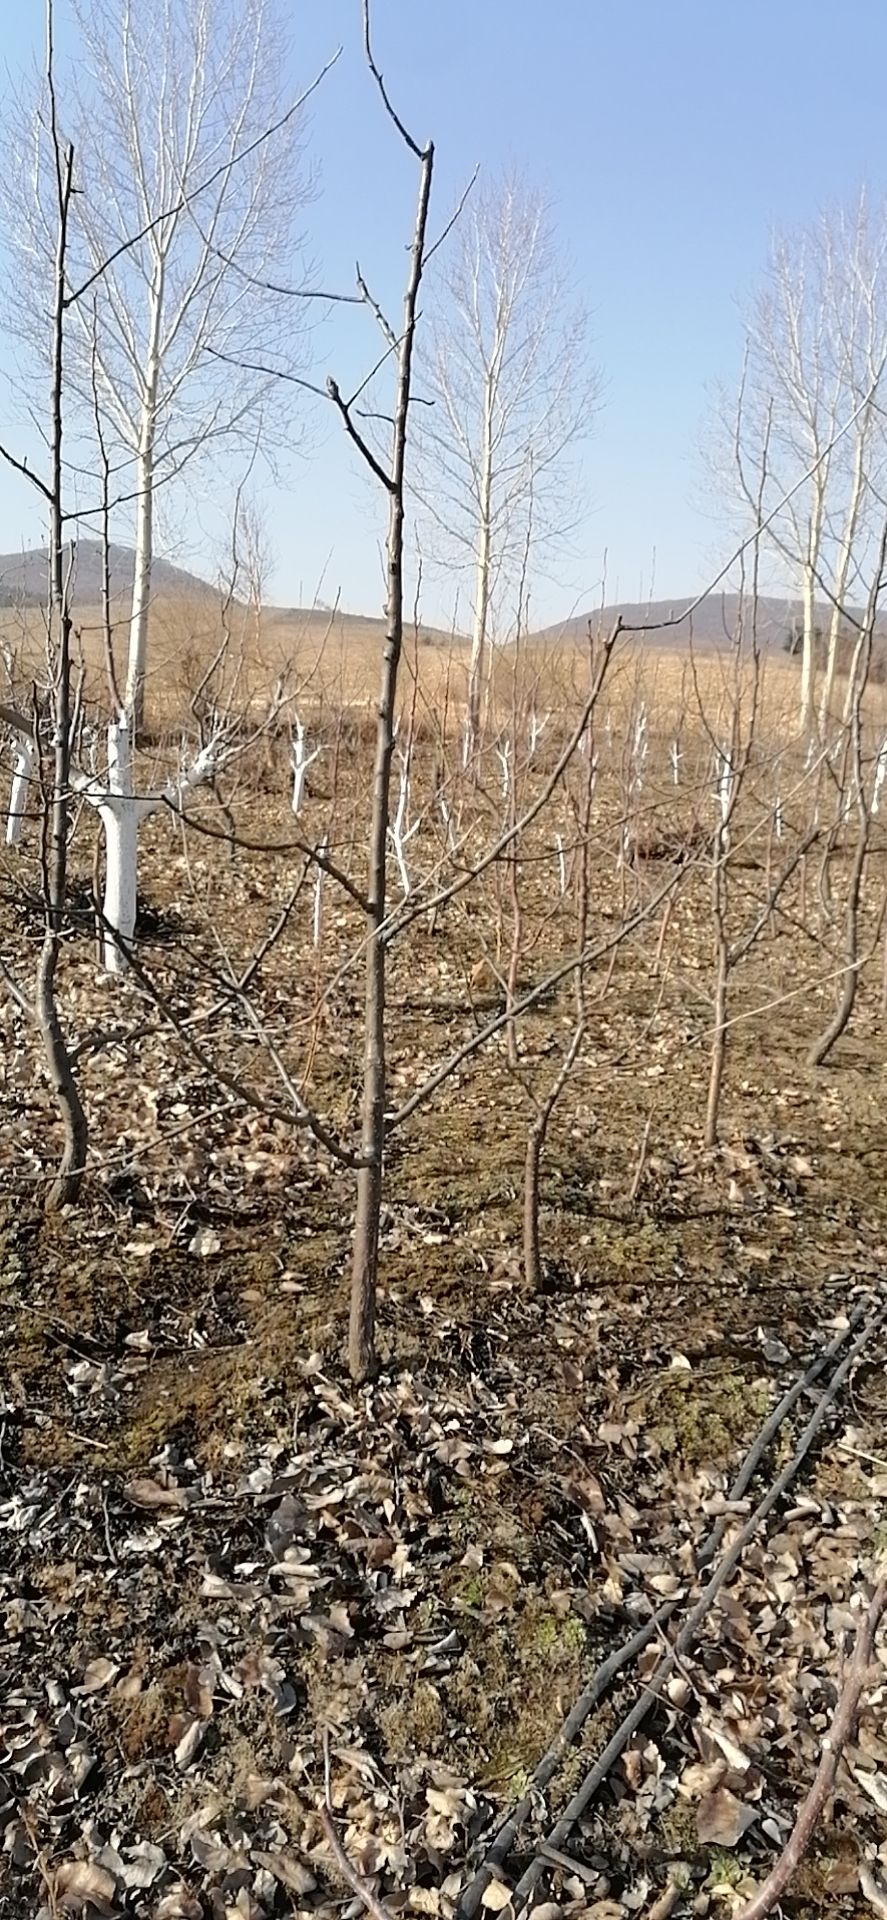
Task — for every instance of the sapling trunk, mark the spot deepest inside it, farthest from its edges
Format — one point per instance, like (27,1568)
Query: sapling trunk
(822,1047)
(121,813)
(718,1058)
(68,1177)
(538,1130)
(514,957)
(536,1138)
(361,1337)
(66,1184)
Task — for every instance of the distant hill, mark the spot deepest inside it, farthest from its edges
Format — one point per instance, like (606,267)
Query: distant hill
(712,628)
(334,624)
(23,576)
(713,625)
(23,584)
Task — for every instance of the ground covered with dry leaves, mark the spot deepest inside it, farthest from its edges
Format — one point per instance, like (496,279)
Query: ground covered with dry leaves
(217,1558)
(193,1589)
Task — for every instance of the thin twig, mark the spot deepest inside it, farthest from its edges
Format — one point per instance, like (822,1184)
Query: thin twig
(343,406)
(590,1875)
(349,1873)
(811,1808)
(402,130)
(185,198)
(21,466)
(638,1175)
(454,217)
(385,327)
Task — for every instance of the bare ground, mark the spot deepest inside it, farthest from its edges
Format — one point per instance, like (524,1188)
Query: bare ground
(214,1550)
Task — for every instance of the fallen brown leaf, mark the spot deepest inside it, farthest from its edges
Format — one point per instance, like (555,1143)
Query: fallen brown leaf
(721,1819)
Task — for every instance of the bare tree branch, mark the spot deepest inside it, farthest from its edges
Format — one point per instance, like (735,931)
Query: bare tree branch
(353,432)
(375,1908)
(184,199)
(420,152)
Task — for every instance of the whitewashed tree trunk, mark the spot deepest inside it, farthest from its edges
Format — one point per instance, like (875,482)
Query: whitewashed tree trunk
(448,823)
(400,831)
(503,754)
(317,927)
(300,761)
(120,822)
(535,730)
(880,777)
(26,754)
(121,813)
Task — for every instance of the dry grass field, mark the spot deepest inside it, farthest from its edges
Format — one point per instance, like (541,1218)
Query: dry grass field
(215,1551)
(330,661)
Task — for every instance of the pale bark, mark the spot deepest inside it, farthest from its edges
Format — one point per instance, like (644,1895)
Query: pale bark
(26,755)
(478,659)
(816,353)
(137,656)
(807,700)
(822,1047)
(121,813)
(841,579)
(507,370)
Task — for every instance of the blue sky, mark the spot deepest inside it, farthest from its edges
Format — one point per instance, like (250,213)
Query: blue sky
(669,139)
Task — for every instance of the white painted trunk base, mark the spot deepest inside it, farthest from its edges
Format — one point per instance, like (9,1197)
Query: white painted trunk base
(26,755)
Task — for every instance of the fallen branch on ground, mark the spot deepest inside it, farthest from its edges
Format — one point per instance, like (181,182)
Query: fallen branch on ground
(349,1873)
(810,1810)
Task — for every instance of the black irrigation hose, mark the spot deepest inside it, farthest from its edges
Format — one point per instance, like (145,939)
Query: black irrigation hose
(623,1655)
(635,1718)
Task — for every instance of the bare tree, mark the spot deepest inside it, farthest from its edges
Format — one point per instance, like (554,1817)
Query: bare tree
(393,479)
(55,777)
(506,370)
(816,354)
(189,185)
(860,800)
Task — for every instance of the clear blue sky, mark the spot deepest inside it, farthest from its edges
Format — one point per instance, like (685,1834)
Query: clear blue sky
(669,135)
